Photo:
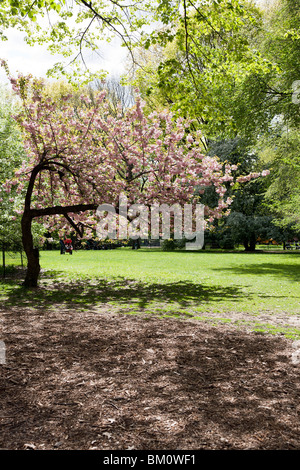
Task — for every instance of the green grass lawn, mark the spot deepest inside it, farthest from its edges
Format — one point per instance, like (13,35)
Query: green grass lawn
(260,291)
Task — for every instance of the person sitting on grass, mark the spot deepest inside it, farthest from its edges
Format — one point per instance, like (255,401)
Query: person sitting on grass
(62,247)
(68,245)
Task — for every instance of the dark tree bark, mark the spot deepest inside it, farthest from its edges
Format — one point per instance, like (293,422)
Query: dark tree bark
(250,243)
(32,253)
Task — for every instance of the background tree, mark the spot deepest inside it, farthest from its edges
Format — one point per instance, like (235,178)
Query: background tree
(239,82)
(120,97)
(11,156)
(249,218)
(267,93)
(202,66)
(281,154)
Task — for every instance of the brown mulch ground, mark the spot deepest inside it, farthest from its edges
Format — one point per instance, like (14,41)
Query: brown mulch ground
(102,380)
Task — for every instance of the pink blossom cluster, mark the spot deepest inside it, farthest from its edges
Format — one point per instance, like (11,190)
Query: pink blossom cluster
(86,155)
(250,176)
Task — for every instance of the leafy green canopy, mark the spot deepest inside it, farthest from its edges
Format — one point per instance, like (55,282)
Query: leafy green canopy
(229,65)
(211,56)
(265,95)
(282,155)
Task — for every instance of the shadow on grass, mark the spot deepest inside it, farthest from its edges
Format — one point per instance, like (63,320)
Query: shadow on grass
(288,271)
(121,291)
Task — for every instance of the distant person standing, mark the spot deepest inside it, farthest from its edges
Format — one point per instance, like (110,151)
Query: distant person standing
(62,247)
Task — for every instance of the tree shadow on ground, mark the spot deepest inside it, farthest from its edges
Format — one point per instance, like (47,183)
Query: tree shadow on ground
(288,271)
(121,291)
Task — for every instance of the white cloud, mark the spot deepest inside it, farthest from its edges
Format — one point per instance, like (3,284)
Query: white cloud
(23,58)
(36,59)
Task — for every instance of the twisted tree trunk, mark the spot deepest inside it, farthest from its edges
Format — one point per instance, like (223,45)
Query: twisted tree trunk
(32,253)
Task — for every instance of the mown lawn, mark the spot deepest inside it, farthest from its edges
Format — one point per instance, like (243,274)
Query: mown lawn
(260,291)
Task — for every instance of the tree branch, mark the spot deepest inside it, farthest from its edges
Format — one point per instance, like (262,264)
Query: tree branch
(77,227)
(62,210)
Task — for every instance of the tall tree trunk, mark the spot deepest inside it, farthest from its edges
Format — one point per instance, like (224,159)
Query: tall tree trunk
(252,242)
(33,263)
(3,259)
(246,244)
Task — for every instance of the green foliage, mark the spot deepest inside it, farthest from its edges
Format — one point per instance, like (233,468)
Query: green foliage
(229,65)
(267,93)
(209,54)
(12,155)
(168,245)
(250,217)
(283,194)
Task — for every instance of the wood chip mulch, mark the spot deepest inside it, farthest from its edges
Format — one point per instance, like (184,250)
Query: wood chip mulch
(81,380)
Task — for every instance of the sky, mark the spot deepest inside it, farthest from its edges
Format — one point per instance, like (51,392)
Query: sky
(36,60)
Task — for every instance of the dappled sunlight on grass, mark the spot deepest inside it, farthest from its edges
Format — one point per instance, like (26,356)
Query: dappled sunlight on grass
(196,285)
(125,292)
